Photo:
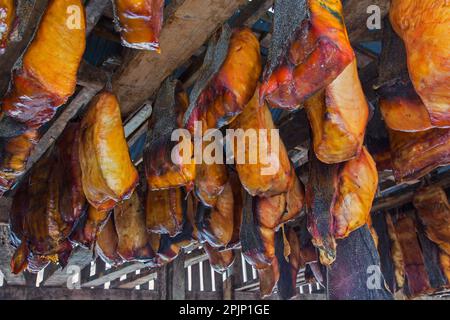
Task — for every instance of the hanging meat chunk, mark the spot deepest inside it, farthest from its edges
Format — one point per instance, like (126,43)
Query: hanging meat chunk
(268,279)
(164,211)
(264,170)
(338,117)
(86,233)
(229,78)
(339,199)
(140,22)
(433,210)
(7,15)
(108,174)
(107,242)
(238,206)
(216,225)
(219,260)
(287,254)
(445,265)
(423,26)
(401,107)
(416,275)
(134,244)
(210,182)
(414,154)
(161,170)
(396,252)
(309,49)
(14,153)
(39,87)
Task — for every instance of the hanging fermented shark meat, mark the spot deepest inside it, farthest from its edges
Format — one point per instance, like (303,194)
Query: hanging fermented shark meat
(295,198)
(416,275)
(219,260)
(38,87)
(106,244)
(401,107)
(108,174)
(44,231)
(339,200)
(140,22)
(396,253)
(161,171)
(287,255)
(129,218)
(320,193)
(415,154)
(423,26)
(210,182)
(7,15)
(385,250)
(14,153)
(338,117)
(265,170)
(309,49)
(268,279)
(433,210)
(86,234)
(72,200)
(216,225)
(164,211)
(229,77)
(355,275)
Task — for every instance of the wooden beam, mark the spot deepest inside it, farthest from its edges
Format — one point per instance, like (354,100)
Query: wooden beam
(6,253)
(188,28)
(134,279)
(94,11)
(46,293)
(252,12)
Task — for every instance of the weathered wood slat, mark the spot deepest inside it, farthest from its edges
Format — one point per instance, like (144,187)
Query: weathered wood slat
(134,279)
(6,252)
(109,275)
(190,25)
(46,293)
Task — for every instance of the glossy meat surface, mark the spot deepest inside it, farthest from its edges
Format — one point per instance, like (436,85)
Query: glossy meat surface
(164,211)
(317,52)
(219,260)
(7,15)
(133,240)
(423,25)
(106,245)
(210,182)
(40,87)
(140,22)
(257,166)
(108,174)
(232,87)
(433,210)
(415,154)
(338,117)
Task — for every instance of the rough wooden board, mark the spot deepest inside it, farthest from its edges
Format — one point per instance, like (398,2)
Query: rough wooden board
(6,252)
(134,279)
(45,293)
(183,33)
(94,11)
(80,257)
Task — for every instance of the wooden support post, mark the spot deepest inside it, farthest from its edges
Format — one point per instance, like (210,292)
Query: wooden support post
(178,283)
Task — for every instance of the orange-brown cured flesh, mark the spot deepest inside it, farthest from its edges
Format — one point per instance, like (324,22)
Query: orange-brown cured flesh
(14,158)
(140,22)
(234,84)
(255,180)
(433,210)
(161,171)
(210,182)
(418,282)
(108,174)
(106,245)
(357,186)
(403,110)
(338,117)
(164,213)
(318,53)
(423,26)
(414,154)
(396,252)
(129,218)
(219,260)
(47,77)
(7,15)
(445,265)
(268,279)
